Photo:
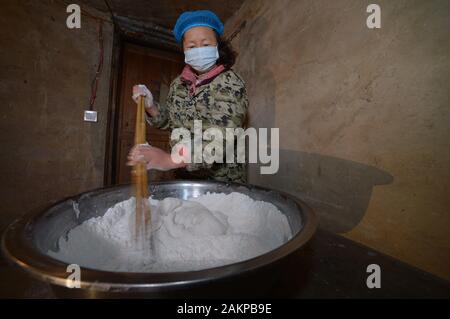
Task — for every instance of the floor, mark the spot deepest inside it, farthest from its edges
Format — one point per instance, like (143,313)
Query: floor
(336,269)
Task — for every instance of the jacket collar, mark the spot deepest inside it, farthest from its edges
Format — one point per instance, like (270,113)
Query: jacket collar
(194,81)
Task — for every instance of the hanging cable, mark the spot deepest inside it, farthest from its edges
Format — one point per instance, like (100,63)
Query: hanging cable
(94,84)
(111,12)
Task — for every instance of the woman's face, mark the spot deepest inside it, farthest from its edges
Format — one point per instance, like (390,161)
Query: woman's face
(197,37)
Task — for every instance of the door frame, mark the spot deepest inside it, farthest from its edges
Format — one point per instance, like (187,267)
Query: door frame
(120,40)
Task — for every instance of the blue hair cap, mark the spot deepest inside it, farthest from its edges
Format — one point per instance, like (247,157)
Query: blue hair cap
(190,19)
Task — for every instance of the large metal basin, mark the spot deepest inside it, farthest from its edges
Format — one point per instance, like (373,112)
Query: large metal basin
(26,241)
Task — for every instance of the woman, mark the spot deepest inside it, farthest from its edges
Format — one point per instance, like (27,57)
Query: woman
(207,90)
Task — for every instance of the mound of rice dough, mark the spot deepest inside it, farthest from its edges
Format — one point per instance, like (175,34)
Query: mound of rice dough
(203,232)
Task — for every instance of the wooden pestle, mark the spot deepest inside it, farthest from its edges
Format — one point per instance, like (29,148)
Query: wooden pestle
(139,172)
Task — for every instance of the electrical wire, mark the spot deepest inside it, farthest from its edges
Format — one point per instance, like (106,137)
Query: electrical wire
(110,12)
(94,84)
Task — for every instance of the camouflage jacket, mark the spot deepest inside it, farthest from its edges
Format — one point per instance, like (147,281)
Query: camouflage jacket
(220,103)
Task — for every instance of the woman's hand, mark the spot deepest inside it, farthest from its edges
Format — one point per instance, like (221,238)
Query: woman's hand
(141,90)
(155,158)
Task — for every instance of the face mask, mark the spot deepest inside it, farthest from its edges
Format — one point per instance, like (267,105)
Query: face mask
(201,59)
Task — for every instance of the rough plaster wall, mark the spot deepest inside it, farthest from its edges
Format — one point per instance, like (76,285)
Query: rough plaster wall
(48,152)
(165,12)
(363,116)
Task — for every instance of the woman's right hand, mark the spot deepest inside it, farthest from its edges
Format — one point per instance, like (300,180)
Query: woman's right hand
(142,90)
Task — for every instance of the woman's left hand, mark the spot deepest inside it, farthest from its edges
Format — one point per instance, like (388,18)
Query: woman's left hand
(155,158)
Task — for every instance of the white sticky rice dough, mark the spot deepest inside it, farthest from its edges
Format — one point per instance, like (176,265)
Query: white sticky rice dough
(207,231)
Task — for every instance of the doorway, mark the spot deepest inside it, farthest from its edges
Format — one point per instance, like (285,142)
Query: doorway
(156,69)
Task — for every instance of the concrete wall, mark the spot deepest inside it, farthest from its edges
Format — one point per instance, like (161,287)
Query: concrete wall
(363,115)
(46,70)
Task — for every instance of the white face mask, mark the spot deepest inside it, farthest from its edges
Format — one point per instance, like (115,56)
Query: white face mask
(201,59)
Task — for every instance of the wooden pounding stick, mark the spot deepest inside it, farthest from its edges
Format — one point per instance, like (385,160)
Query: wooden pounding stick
(140,180)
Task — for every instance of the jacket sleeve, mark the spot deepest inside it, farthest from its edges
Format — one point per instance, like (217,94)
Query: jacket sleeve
(229,111)
(162,120)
